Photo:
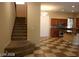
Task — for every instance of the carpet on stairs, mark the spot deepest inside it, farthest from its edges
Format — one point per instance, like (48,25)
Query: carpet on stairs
(19,45)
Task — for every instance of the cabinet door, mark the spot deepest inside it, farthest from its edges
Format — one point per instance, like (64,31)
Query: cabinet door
(54,22)
(63,21)
(54,31)
(77,22)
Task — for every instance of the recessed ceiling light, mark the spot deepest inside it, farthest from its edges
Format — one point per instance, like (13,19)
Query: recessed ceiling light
(72,10)
(73,6)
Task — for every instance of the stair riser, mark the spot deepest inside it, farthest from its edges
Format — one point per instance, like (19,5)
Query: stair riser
(20,27)
(23,37)
(18,39)
(20,21)
(22,24)
(19,34)
(19,31)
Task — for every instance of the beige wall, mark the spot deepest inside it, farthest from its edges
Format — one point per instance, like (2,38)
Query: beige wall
(21,10)
(33,22)
(60,15)
(7,16)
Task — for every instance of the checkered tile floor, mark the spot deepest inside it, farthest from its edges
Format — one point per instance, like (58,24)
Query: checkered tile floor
(56,48)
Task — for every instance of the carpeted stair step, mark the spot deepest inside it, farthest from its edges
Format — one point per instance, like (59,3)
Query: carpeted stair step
(17,37)
(20,31)
(20,20)
(25,52)
(23,26)
(20,23)
(20,27)
(20,48)
(14,39)
(19,44)
(19,34)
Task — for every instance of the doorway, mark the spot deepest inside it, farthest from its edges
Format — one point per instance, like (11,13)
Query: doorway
(44,25)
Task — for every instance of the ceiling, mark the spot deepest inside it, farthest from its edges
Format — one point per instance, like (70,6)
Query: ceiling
(60,6)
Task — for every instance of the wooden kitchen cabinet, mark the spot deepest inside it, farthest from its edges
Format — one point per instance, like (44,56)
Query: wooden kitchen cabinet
(54,31)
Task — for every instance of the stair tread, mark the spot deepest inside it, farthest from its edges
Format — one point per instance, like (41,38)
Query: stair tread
(18,39)
(17,34)
(20,27)
(17,44)
(22,24)
(20,31)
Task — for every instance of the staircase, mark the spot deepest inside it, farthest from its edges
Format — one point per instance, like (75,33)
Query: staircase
(19,44)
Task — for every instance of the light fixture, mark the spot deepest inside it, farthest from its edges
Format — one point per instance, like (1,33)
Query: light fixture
(73,6)
(19,2)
